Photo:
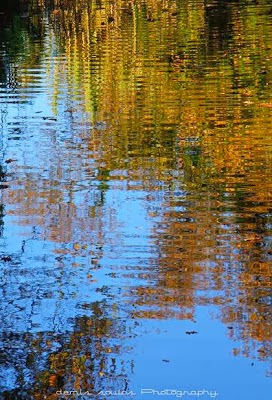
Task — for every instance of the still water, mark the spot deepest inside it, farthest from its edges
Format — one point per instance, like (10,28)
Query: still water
(135,199)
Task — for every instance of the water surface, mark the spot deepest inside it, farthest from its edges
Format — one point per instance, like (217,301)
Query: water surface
(135,188)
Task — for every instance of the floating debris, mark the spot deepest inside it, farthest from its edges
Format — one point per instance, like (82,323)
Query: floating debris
(49,118)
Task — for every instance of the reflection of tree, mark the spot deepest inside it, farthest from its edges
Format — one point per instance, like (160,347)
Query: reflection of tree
(88,358)
(20,33)
(155,106)
(213,251)
(219,26)
(150,105)
(3,186)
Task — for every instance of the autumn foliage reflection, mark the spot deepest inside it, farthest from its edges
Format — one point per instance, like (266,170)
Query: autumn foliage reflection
(161,99)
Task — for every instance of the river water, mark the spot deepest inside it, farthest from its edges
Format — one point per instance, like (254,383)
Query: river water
(135,199)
